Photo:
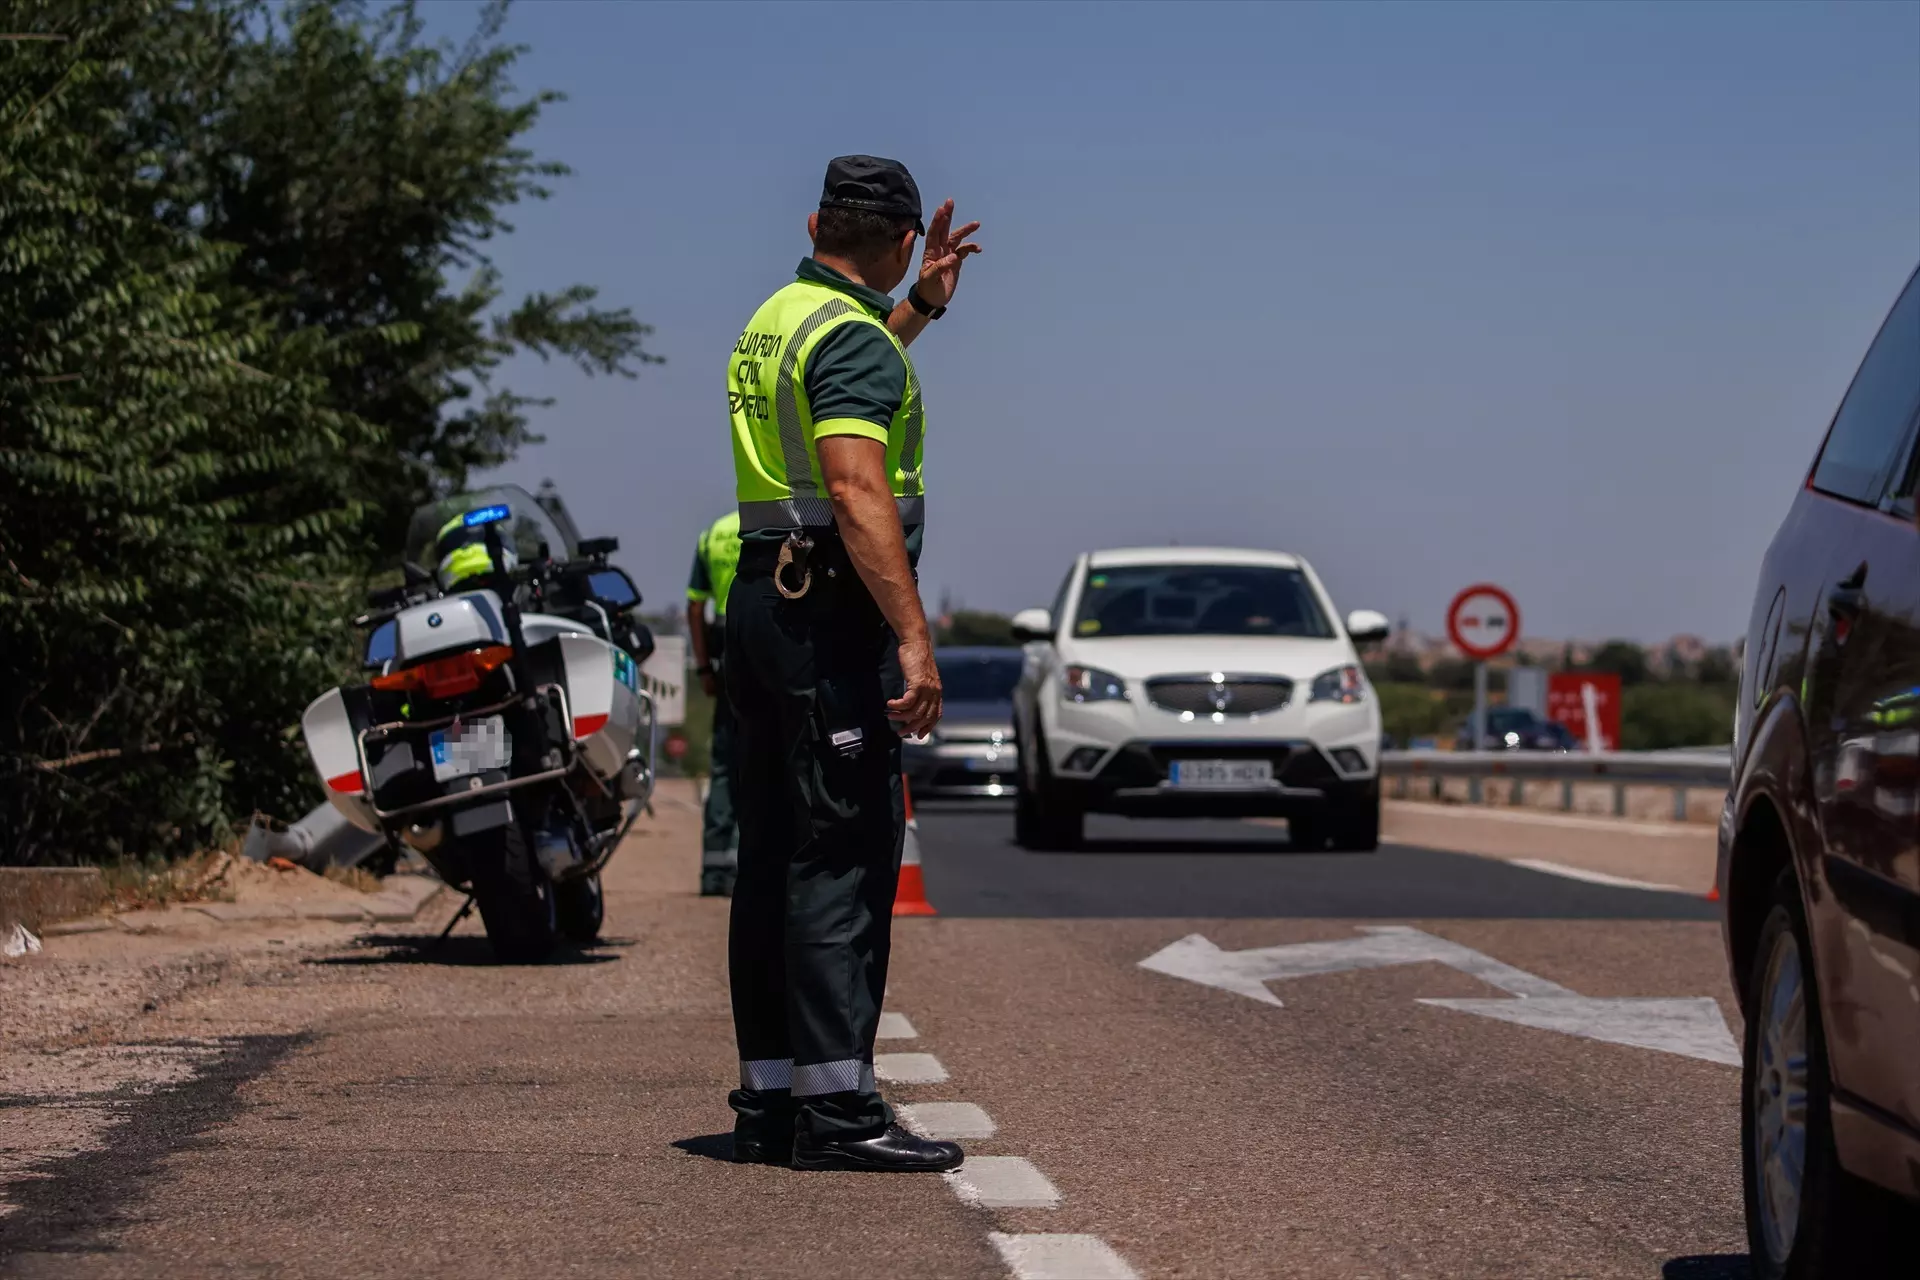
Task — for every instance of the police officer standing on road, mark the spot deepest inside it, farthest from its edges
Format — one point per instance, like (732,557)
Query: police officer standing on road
(715,558)
(828,661)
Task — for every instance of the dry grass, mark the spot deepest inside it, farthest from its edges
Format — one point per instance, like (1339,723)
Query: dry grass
(135,884)
(357,878)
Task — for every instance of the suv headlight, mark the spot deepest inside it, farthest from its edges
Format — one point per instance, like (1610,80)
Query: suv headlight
(1342,684)
(1090,684)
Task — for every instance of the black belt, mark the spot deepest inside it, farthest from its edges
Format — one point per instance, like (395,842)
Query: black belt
(760,555)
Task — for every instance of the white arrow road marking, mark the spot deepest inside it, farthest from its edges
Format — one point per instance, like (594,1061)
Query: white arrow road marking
(1247,972)
(1692,1027)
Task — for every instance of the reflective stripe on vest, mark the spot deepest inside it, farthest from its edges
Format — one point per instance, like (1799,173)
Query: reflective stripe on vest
(776,465)
(815,513)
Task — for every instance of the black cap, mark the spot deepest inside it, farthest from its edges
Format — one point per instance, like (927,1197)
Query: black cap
(873,184)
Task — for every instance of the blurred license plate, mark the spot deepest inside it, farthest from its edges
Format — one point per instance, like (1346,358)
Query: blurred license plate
(1220,773)
(470,748)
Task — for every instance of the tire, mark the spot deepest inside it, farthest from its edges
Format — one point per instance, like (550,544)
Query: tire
(1356,825)
(1042,820)
(581,906)
(1831,1223)
(517,901)
(1308,834)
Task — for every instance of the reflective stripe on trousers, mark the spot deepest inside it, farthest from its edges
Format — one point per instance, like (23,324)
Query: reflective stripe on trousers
(808,1079)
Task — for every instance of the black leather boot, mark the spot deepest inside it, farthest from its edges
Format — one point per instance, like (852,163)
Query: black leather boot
(895,1151)
(756,1148)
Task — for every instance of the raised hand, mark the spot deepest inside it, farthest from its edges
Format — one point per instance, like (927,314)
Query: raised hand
(946,249)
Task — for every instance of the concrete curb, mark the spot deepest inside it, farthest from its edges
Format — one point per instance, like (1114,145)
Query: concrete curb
(402,898)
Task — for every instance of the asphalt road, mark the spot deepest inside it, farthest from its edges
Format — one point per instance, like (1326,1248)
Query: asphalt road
(1147,868)
(388,1109)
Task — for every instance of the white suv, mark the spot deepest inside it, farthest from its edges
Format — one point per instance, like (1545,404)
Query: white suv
(1201,682)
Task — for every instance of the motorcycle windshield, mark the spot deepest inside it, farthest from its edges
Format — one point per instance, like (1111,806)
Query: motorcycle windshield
(528,527)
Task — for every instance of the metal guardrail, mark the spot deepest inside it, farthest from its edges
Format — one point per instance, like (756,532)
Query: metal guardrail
(1706,767)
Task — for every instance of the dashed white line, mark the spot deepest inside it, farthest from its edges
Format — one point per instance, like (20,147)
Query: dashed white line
(908,1068)
(1002,1182)
(1041,1256)
(995,1182)
(947,1120)
(1592,877)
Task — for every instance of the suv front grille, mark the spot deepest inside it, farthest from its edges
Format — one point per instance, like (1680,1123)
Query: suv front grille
(1233,695)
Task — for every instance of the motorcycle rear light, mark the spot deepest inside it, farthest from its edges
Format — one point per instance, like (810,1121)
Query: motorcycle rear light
(447,677)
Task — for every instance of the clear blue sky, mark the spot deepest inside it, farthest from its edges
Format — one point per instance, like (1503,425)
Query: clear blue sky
(1557,296)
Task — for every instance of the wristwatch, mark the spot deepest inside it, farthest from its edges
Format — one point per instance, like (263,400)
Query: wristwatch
(921,305)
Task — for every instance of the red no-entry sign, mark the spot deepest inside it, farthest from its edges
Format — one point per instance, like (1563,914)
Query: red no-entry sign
(1483,622)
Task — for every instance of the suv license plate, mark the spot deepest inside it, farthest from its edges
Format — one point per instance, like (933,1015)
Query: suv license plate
(1220,773)
(473,747)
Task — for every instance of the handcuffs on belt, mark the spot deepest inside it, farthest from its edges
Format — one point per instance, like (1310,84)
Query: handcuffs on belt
(795,550)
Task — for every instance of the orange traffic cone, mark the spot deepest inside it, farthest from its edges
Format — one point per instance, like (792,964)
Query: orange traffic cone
(910,898)
(1713,894)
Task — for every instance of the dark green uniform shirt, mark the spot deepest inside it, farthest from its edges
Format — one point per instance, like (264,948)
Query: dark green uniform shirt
(854,372)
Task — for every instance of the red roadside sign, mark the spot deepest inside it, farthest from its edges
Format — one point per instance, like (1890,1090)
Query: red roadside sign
(1483,622)
(1568,695)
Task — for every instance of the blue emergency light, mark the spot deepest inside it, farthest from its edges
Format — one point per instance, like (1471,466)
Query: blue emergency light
(486,515)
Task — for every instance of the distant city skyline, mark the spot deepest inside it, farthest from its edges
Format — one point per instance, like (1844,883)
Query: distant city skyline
(1560,297)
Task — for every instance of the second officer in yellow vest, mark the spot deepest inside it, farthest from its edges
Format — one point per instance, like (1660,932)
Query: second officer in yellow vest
(828,661)
(715,558)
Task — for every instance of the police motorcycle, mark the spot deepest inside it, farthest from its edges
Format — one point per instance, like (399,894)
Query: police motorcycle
(504,733)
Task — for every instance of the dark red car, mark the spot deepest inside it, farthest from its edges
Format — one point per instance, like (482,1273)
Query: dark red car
(1820,846)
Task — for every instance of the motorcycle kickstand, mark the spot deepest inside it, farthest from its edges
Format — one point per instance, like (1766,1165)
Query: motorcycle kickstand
(466,909)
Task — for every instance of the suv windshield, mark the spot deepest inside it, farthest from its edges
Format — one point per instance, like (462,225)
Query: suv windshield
(1199,600)
(979,677)
(529,526)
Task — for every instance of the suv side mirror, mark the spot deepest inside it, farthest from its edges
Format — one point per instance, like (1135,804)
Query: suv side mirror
(1032,624)
(1365,626)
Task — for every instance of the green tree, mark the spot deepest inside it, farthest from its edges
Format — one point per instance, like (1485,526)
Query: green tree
(1394,668)
(1717,666)
(1657,717)
(174,561)
(1624,659)
(361,171)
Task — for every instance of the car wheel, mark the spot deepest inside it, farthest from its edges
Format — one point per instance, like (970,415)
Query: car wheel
(1042,819)
(1355,825)
(1806,1216)
(1307,834)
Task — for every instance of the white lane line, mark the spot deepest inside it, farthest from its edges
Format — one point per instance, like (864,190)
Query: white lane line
(894,1026)
(1002,1182)
(908,1068)
(1571,821)
(1060,1257)
(947,1120)
(1592,877)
